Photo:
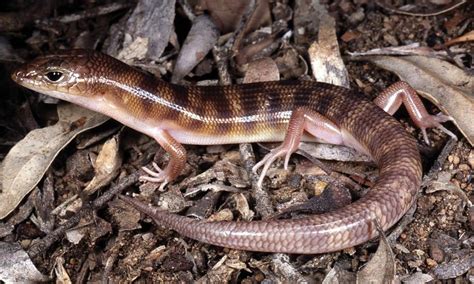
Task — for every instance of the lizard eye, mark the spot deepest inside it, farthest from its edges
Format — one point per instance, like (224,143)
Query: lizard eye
(54,76)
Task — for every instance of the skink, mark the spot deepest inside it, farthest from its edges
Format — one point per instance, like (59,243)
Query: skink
(288,111)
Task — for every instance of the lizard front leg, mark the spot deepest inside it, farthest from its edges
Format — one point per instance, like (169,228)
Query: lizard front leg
(176,164)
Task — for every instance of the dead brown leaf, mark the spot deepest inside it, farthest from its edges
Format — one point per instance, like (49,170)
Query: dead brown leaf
(126,217)
(62,277)
(381,268)
(200,39)
(223,270)
(262,70)
(242,205)
(455,268)
(106,166)
(16,266)
(416,278)
(333,152)
(28,160)
(338,275)
(464,38)
(147,30)
(227,14)
(325,58)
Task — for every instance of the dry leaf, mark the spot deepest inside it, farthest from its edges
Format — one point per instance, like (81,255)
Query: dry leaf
(447,86)
(417,278)
(223,270)
(200,39)
(262,70)
(28,160)
(381,268)
(338,275)
(262,47)
(464,38)
(106,166)
(456,267)
(133,49)
(222,215)
(333,152)
(126,217)
(325,58)
(92,229)
(148,29)
(62,277)
(242,205)
(16,266)
(227,14)
(283,268)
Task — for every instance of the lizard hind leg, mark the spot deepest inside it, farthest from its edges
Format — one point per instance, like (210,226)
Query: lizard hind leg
(400,93)
(301,120)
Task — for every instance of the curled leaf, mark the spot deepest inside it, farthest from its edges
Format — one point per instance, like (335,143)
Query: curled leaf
(106,166)
(200,39)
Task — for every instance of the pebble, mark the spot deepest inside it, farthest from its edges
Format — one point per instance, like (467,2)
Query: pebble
(357,16)
(25,243)
(319,187)
(431,262)
(464,167)
(456,160)
(390,39)
(259,277)
(415,263)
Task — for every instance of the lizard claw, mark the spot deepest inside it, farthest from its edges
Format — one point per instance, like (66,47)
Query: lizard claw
(268,160)
(158,170)
(158,176)
(434,121)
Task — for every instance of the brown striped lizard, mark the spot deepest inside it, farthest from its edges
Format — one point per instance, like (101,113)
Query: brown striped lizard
(288,111)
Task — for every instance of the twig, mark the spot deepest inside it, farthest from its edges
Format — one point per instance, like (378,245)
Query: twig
(398,11)
(221,57)
(91,13)
(42,245)
(263,203)
(187,9)
(241,28)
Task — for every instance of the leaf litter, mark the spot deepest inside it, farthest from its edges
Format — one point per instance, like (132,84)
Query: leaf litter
(280,268)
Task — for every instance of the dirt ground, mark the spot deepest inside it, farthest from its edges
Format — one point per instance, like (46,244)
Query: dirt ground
(98,237)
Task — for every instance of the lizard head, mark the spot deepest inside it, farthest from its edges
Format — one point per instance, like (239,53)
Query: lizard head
(72,75)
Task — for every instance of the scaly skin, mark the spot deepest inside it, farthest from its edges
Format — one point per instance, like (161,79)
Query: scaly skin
(244,113)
